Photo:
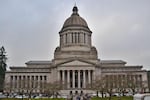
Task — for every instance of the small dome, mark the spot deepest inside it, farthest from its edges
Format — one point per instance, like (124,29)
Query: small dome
(75,20)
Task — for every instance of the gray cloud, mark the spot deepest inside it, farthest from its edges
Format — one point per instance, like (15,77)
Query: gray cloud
(29,28)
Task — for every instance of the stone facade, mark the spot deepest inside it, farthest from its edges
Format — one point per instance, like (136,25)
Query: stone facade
(75,64)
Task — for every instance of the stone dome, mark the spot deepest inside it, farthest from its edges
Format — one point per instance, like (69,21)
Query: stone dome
(75,21)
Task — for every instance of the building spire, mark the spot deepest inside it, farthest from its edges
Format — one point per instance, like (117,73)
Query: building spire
(74,2)
(75,10)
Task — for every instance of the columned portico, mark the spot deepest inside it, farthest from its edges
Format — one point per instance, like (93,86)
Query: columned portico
(75,79)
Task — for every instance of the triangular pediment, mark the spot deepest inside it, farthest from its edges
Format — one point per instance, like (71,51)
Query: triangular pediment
(76,63)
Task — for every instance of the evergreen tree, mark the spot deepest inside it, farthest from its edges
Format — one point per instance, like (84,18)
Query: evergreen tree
(3,66)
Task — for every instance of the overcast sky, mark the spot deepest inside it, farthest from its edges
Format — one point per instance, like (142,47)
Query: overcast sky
(121,28)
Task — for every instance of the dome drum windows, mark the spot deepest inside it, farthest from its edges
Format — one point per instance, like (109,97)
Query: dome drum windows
(75,38)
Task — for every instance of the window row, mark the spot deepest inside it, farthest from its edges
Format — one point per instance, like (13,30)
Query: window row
(75,38)
(123,80)
(28,77)
(27,81)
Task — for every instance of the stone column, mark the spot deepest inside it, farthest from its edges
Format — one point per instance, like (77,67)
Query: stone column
(73,37)
(68,78)
(43,81)
(14,82)
(89,76)
(64,39)
(26,84)
(73,78)
(58,75)
(69,39)
(19,81)
(11,81)
(39,83)
(79,37)
(22,81)
(79,83)
(63,77)
(90,39)
(94,76)
(86,40)
(82,38)
(33,81)
(84,79)
(30,82)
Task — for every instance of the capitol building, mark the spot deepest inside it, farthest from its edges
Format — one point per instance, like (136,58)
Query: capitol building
(75,65)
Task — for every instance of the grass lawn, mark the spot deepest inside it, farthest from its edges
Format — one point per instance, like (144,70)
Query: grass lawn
(33,99)
(113,98)
(95,98)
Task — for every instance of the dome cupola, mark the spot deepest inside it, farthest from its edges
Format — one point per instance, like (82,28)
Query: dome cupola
(75,39)
(75,22)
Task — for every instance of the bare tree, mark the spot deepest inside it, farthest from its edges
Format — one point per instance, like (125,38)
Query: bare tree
(109,85)
(121,84)
(133,83)
(34,86)
(53,88)
(7,89)
(99,85)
